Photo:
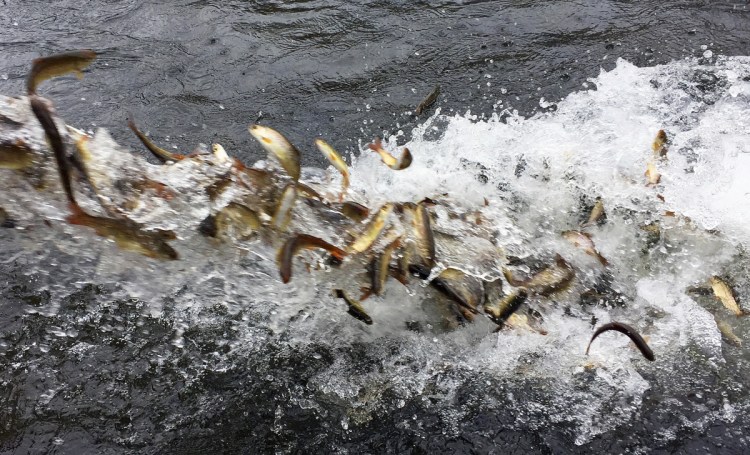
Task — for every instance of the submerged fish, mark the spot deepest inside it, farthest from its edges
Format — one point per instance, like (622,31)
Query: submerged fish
(275,143)
(725,295)
(372,230)
(630,332)
(16,155)
(236,220)
(335,159)
(554,278)
(597,214)
(389,159)
(465,290)
(355,308)
(583,240)
(298,242)
(428,101)
(652,174)
(160,153)
(56,65)
(354,211)
(727,333)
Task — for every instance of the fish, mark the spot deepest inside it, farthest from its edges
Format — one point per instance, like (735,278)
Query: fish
(389,159)
(727,333)
(221,156)
(652,174)
(583,240)
(554,278)
(372,231)
(500,311)
(163,155)
(354,211)
(424,238)
(46,68)
(302,241)
(640,343)
(725,295)
(125,233)
(380,266)
(335,159)
(355,308)
(597,214)
(15,155)
(465,290)
(660,145)
(5,220)
(275,143)
(521,321)
(428,101)
(236,219)
(283,213)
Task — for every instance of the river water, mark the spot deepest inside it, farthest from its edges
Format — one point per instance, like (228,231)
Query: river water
(110,353)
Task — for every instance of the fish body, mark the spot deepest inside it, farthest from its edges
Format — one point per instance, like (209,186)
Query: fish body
(163,155)
(501,310)
(597,214)
(372,231)
(354,211)
(630,332)
(284,210)
(298,242)
(428,101)
(46,68)
(15,155)
(725,295)
(355,307)
(237,220)
(380,266)
(276,144)
(390,160)
(659,146)
(583,240)
(652,174)
(335,159)
(465,290)
(554,278)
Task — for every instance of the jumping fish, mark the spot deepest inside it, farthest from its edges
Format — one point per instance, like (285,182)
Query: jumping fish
(597,214)
(465,290)
(652,174)
(160,153)
(554,278)
(15,155)
(220,155)
(354,211)
(630,332)
(500,311)
(355,308)
(583,240)
(725,295)
(428,101)
(56,65)
(660,145)
(236,219)
(372,231)
(275,143)
(298,242)
(424,239)
(283,213)
(389,159)
(335,159)
(126,234)
(380,266)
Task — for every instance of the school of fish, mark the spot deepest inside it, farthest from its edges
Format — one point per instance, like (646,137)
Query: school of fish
(271,202)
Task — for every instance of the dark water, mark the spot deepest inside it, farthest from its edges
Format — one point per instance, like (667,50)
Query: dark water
(311,68)
(201,72)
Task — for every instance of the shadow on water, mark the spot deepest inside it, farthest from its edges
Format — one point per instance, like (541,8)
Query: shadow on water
(201,71)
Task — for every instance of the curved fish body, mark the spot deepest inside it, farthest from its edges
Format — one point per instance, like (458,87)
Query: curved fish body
(276,144)
(335,159)
(583,240)
(631,333)
(46,68)
(372,231)
(390,160)
(725,295)
(597,214)
(554,278)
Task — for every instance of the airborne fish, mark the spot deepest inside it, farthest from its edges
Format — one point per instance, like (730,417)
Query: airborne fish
(552,279)
(583,240)
(500,311)
(597,214)
(56,65)
(372,231)
(725,295)
(335,159)
(355,308)
(630,332)
(389,159)
(283,213)
(275,143)
(659,145)
(160,153)
(380,266)
(302,241)
(428,101)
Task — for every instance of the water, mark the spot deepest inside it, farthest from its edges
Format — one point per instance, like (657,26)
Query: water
(217,354)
